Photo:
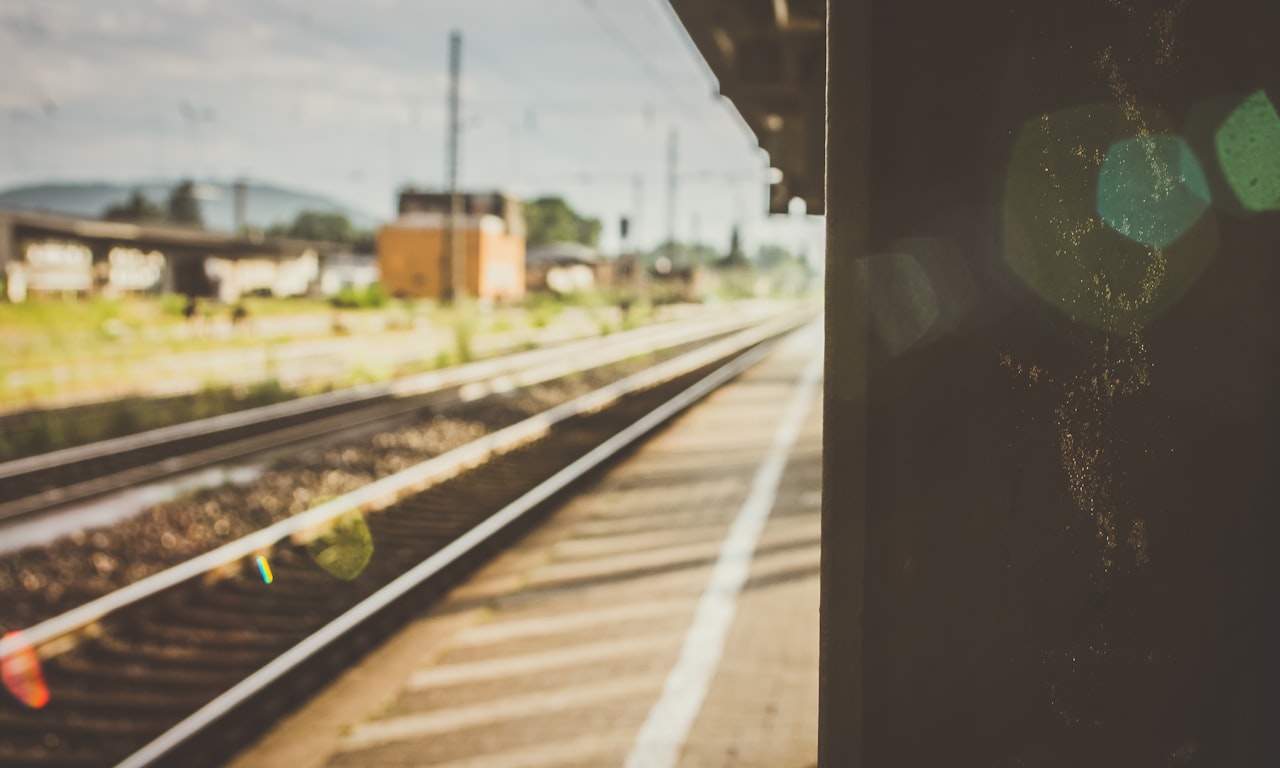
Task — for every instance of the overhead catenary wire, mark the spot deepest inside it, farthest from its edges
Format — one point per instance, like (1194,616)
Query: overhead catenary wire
(502,70)
(668,13)
(664,9)
(645,62)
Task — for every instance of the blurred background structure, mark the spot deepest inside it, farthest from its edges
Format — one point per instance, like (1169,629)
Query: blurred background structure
(272,109)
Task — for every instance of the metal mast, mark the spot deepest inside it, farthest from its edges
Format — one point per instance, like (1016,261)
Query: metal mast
(453,271)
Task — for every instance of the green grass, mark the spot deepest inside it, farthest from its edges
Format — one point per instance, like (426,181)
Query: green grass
(373,296)
(542,308)
(56,348)
(33,432)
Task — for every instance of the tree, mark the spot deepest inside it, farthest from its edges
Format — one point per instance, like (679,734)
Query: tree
(683,254)
(735,256)
(365,241)
(138,209)
(184,207)
(317,225)
(551,220)
(735,244)
(772,255)
(326,227)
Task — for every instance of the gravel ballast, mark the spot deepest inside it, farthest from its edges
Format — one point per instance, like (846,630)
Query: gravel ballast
(38,583)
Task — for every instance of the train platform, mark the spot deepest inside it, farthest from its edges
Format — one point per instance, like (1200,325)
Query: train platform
(665,616)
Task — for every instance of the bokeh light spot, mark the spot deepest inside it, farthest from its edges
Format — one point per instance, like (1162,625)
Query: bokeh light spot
(1056,242)
(21,672)
(1248,147)
(1151,189)
(344,548)
(264,569)
(900,298)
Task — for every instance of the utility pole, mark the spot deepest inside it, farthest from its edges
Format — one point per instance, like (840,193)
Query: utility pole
(240,207)
(672,156)
(637,200)
(453,275)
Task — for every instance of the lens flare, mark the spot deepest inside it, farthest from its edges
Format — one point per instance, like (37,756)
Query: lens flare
(1079,261)
(20,670)
(900,299)
(1248,148)
(1151,189)
(344,548)
(264,568)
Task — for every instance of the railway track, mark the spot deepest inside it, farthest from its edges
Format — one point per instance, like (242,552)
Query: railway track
(185,666)
(39,483)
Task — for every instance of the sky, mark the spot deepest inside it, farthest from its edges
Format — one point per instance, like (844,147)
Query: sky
(572,97)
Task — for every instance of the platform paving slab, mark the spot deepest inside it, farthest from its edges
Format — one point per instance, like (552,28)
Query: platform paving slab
(556,652)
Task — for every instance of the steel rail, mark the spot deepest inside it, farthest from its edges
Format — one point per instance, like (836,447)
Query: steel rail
(55,635)
(481,381)
(210,714)
(626,343)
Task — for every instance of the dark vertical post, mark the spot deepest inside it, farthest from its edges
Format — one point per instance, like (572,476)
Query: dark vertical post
(7,250)
(11,256)
(1050,512)
(240,201)
(672,159)
(453,275)
(637,200)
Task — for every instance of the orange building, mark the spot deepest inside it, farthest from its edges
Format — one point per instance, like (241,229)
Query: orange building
(413,248)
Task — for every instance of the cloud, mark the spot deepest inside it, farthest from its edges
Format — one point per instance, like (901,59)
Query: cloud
(319,94)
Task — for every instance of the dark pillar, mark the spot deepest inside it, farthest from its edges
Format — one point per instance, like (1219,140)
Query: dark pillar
(1051,499)
(844,468)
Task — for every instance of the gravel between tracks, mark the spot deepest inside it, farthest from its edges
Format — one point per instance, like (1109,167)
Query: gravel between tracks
(40,582)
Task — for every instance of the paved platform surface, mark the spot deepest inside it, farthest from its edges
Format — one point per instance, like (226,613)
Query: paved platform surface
(668,616)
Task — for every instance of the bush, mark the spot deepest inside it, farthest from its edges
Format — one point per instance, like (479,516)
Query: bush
(173,304)
(464,329)
(33,432)
(543,309)
(347,298)
(373,296)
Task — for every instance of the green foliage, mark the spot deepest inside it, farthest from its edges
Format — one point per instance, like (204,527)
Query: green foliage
(184,207)
(543,308)
(682,254)
(327,227)
(464,331)
(735,246)
(173,304)
(788,273)
(374,296)
(33,432)
(317,225)
(138,208)
(636,311)
(551,220)
(364,241)
(263,306)
(772,255)
(502,324)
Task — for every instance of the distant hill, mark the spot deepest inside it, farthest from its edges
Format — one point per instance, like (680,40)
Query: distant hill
(266,204)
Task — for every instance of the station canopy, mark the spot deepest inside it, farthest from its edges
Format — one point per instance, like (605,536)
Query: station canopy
(770,59)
